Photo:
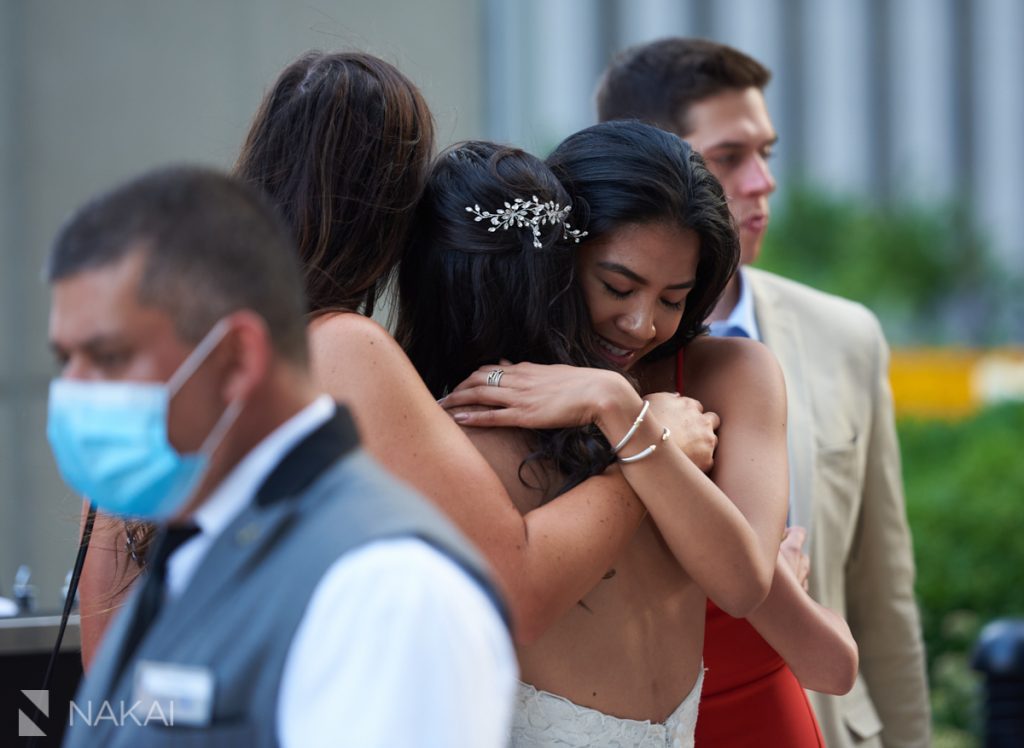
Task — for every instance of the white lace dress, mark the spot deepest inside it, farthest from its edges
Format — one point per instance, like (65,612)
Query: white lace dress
(545,720)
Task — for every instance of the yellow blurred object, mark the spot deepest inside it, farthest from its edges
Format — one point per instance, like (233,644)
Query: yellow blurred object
(952,383)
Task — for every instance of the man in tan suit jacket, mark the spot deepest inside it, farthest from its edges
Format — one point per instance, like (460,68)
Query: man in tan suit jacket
(844,457)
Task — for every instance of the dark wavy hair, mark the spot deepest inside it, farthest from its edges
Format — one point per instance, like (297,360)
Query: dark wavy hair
(469,295)
(626,172)
(342,144)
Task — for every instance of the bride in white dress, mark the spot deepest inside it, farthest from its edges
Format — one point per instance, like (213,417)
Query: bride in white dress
(495,274)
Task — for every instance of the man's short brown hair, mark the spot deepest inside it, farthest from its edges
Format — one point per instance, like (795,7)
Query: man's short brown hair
(659,82)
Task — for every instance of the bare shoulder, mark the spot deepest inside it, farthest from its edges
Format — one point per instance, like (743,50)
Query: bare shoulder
(359,364)
(730,359)
(720,371)
(340,334)
(352,356)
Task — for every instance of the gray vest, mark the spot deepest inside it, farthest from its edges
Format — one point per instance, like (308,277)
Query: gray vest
(240,611)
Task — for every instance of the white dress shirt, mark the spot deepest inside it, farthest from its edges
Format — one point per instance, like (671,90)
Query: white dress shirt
(397,647)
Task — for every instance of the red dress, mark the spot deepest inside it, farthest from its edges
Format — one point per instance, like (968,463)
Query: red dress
(750,696)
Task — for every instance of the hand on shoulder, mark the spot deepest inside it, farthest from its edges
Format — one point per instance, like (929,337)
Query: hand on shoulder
(539,396)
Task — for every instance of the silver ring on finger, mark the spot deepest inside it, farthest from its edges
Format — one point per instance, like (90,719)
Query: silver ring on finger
(494,377)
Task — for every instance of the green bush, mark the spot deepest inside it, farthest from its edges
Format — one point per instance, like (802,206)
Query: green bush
(925,271)
(965,502)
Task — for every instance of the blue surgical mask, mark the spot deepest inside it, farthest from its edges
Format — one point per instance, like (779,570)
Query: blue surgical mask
(110,440)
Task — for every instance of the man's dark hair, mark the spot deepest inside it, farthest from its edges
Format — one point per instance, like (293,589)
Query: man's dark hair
(659,82)
(212,246)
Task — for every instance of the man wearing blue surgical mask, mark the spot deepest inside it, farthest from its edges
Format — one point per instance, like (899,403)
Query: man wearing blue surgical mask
(295,594)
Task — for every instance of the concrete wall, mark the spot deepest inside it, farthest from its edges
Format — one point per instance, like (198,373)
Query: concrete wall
(96,92)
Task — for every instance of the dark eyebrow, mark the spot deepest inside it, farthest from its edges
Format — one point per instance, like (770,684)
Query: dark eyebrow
(91,345)
(733,144)
(625,271)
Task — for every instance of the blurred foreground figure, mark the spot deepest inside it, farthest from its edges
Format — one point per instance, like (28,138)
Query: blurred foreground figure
(295,594)
(844,457)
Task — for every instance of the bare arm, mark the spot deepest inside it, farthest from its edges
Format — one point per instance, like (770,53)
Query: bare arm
(750,467)
(546,560)
(709,535)
(742,382)
(814,641)
(706,532)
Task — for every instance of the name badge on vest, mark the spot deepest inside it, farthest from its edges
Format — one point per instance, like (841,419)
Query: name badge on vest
(182,694)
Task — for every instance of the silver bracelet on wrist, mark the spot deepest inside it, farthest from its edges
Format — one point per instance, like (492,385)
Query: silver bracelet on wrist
(665,434)
(632,429)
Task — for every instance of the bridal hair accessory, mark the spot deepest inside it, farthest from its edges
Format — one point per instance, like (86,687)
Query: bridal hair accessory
(531,214)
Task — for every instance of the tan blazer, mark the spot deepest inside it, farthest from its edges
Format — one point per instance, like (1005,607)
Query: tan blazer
(847,489)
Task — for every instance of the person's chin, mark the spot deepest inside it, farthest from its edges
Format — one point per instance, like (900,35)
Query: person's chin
(750,247)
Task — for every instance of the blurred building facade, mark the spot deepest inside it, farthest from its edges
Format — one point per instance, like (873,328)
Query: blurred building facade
(912,100)
(890,99)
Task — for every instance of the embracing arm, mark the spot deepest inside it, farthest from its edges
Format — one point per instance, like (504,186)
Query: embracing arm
(742,382)
(708,533)
(546,560)
(814,641)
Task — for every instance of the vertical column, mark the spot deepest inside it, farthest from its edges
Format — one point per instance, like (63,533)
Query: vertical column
(572,42)
(878,44)
(507,70)
(790,80)
(768,31)
(922,102)
(12,250)
(543,60)
(641,21)
(998,121)
(836,94)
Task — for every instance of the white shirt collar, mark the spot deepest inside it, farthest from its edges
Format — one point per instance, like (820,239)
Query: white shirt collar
(742,315)
(236,491)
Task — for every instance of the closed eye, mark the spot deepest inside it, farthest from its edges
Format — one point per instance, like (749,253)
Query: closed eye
(674,305)
(614,291)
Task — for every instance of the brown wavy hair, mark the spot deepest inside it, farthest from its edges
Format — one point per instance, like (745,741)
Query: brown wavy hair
(341,144)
